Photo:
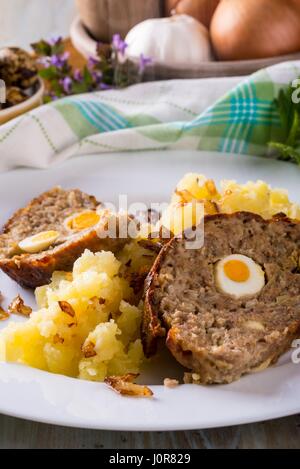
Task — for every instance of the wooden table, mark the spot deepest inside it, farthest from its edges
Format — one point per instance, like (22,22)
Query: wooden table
(15,433)
(282,433)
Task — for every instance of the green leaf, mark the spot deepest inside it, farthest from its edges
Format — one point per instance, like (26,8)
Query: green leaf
(47,99)
(294,130)
(285,108)
(289,148)
(87,77)
(41,48)
(286,152)
(50,73)
(57,88)
(78,88)
(58,49)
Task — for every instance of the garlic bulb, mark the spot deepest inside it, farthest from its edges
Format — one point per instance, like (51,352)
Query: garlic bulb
(179,41)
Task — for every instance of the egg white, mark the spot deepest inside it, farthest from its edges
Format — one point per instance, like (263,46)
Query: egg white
(39,242)
(251,286)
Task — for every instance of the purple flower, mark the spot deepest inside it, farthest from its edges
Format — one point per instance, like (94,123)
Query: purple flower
(52,96)
(60,61)
(118,44)
(92,63)
(77,75)
(105,86)
(143,63)
(54,41)
(97,76)
(66,84)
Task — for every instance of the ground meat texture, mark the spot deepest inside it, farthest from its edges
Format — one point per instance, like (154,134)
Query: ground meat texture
(211,333)
(49,212)
(44,213)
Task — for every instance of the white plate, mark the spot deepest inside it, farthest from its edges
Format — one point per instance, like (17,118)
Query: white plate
(36,395)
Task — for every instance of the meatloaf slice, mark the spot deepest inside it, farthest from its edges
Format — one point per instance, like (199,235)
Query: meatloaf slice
(208,331)
(48,212)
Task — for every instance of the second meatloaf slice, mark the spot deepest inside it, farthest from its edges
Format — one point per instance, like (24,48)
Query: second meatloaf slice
(48,212)
(214,334)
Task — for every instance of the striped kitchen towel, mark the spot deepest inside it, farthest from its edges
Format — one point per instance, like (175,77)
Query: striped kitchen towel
(233,115)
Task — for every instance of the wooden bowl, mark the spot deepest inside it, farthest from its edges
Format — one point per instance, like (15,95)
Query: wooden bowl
(86,45)
(14,111)
(103,18)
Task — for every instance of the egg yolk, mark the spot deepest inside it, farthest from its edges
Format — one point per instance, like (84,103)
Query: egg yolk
(236,270)
(83,220)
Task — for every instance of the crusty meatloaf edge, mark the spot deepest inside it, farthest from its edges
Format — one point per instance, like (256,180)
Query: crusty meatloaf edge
(205,364)
(152,328)
(32,271)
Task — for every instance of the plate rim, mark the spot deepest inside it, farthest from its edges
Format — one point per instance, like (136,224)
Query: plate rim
(77,422)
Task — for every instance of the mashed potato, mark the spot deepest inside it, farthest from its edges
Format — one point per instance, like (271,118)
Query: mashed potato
(101,316)
(258,197)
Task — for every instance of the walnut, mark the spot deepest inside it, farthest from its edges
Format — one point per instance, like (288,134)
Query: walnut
(17,67)
(14,95)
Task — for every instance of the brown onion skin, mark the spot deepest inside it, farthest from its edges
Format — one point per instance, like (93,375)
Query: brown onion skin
(253,29)
(202,10)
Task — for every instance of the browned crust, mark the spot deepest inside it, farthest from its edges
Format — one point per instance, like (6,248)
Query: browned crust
(206,365)
(152,327)
(33,271)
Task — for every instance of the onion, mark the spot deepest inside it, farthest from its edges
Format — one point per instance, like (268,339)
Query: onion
(202,10)
(251,29)
(178,41)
